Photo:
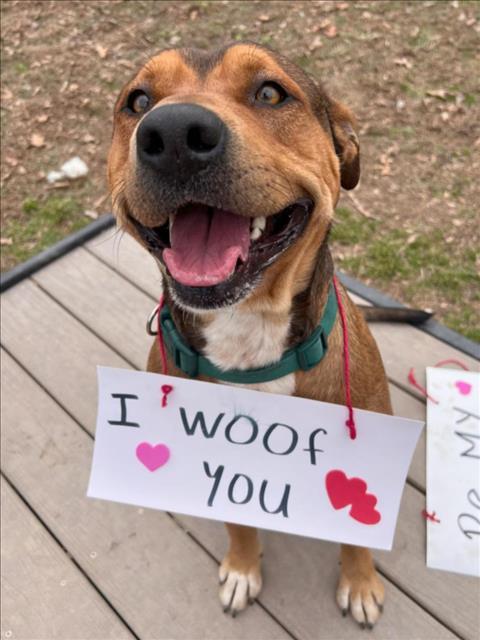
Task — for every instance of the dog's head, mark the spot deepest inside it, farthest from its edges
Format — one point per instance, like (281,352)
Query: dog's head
(227,166)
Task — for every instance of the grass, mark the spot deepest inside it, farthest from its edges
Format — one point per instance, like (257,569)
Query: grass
(422,260)
(41,224)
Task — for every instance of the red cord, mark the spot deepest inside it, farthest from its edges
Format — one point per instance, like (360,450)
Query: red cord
(417,385)
(423,391)
(165,388)
(350,422)
(452,361)
(430,516)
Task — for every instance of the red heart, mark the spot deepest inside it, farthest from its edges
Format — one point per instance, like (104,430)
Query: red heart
(363,509)
(343,491)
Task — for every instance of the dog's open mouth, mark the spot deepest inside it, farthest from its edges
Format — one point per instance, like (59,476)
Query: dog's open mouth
(208,248)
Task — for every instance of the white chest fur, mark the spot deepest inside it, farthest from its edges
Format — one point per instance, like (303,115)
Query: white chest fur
(237,340)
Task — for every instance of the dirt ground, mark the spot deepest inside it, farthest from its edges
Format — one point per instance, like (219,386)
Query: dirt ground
(409,70)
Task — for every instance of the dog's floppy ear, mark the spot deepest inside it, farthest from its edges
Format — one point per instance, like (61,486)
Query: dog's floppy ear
(342,124)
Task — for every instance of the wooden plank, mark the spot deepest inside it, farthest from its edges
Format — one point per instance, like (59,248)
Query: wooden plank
(160,581)
(126,256)
(55,348)
(117,310)
(418,349)
(102,300)
(453,598)
(403,347)
(407,406)
(300,580)
(44,596)
(154,575)
(443,594)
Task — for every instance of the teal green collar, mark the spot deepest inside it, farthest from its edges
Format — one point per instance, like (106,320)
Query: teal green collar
(304,356)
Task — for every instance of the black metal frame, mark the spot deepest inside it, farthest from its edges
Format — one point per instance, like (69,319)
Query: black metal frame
(57,250)
(27,268)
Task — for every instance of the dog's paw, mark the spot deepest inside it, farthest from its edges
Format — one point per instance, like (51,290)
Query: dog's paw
(363,594)
(239,585)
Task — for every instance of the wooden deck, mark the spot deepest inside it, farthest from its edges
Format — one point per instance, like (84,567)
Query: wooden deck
(75,568)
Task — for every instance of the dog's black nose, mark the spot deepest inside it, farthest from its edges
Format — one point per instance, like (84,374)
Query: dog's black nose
(180,138)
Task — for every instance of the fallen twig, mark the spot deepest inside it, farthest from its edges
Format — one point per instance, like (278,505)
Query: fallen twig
(360,208)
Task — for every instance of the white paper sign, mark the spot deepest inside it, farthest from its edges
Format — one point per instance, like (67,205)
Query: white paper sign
(228,453)
(453,470)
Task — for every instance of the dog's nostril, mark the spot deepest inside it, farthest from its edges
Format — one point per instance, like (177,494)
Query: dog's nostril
(202,139)
(154,145)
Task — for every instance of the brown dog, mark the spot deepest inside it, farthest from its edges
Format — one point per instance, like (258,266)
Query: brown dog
(227,167)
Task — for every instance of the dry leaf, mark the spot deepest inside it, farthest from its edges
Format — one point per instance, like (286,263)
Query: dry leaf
(315,44)
(438,93)
(6,241)
(91,214)
(331,31)
(323,24)
(37,140)
(102,51)
(43,117)
(6,94)
(403,62)
(100,201)
(264,18)
(58,185)
(385,165)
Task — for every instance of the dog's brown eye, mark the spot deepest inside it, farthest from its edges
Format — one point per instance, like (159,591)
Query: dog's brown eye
(270,93)
(138,101)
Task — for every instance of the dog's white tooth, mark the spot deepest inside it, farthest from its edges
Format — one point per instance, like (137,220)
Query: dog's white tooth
(170,222)
(255,233)
(260,223)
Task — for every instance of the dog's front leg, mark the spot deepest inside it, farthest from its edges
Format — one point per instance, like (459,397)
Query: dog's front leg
(240,572)
(359,589)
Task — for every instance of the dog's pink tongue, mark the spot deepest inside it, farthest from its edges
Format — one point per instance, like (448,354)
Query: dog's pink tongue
(205,245)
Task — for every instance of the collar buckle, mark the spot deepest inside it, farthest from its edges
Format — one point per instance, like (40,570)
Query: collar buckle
(310,352)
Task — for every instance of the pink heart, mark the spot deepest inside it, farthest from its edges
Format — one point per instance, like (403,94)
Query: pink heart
(153,456)
(463,387)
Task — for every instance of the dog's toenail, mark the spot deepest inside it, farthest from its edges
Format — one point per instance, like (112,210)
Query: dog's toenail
(362,625)
(369,626)
(234,613)
(225,609)
(344,612)
(251,601)
(380,608)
